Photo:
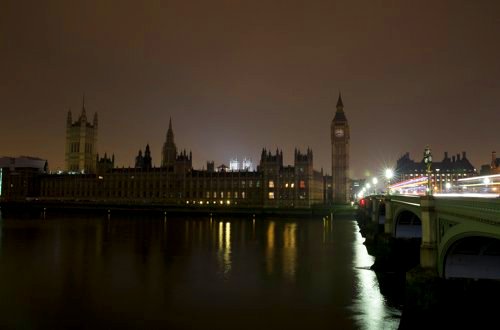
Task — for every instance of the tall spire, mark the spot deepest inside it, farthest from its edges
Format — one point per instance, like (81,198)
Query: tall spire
(340,104)
(170,132)
(69,120)
(340,114)
(84,114)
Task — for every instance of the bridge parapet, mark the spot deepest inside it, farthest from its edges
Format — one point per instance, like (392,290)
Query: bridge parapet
(476,209)
(412,200)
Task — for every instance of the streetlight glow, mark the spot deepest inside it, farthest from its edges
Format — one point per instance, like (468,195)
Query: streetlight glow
(389,173)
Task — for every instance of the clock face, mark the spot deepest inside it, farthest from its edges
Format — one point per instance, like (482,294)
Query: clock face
(339,132)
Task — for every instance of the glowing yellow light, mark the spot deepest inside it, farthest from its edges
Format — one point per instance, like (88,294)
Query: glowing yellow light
(221,202)
(292,185)
(286,185)
(228,202)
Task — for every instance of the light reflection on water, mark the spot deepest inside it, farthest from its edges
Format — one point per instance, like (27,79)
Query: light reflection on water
(270,248)
(369,305)
(289,251)
(224,249)
(190,273)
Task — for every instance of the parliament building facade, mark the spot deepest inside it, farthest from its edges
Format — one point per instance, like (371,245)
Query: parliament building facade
(94,179)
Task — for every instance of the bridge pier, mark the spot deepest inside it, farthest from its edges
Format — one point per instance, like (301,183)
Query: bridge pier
(389,219)
(428,249)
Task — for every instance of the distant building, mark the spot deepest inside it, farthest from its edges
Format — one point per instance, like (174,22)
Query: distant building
(493,167)
(81,143)
(19,177)
(144,162)
(355,186)
(447,170)
(244,165)
(105,163)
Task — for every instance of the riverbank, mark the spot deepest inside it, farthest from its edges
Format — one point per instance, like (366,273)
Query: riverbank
(37,206)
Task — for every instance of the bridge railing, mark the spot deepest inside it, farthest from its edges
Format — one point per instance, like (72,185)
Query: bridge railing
(413,200)
(479,209)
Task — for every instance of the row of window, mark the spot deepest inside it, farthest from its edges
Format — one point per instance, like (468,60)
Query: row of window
(302,184)
(447,174)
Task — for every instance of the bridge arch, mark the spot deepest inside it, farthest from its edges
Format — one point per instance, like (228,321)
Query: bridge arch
(407,224)
(381,213)
(472,255)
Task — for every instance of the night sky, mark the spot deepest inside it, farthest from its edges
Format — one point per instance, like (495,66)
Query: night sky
(237,76)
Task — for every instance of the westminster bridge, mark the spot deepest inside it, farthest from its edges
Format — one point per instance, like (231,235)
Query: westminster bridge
(460,236)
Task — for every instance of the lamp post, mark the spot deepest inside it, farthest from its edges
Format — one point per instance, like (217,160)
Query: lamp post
(428,164)
(375,181)
(389,173)
(440,181)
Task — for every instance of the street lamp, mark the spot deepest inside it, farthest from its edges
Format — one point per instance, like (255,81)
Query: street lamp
(374,181)
(428,164)
(389,174)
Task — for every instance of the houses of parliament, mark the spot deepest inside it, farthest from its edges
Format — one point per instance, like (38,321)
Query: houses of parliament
(90,177)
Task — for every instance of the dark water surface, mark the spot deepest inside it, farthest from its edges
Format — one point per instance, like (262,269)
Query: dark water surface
(88,272)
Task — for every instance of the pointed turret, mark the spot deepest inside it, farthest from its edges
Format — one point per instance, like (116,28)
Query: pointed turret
(169,151)
(83,117)
(339,114)
(340,104)
(170,132)
(69,120)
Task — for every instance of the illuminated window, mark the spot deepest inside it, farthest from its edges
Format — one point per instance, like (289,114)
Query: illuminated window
(271,184)
(302,184)
(215,194)
(250,183)
(221,194)
(228,194)
(243,194)
(235,194)
(271,195)
(208,194)
(257,184)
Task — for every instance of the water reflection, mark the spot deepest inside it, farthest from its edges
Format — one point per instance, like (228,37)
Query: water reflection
(289,251)
(188,273)
(270,248)
(224,249)
(369,306)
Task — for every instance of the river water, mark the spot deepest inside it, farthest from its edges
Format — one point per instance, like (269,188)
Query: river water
(146,272)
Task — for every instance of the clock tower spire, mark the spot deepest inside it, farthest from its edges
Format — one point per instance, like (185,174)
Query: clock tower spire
(340,154)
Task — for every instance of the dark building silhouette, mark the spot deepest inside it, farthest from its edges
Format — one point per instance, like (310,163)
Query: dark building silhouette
(493,167)
(20,177)
(169,151)
(105,163)
(175,182)
(144,161)
(450,169)
(81,143)
(340,136)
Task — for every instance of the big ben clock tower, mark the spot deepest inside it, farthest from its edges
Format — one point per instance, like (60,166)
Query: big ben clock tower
(340,154)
